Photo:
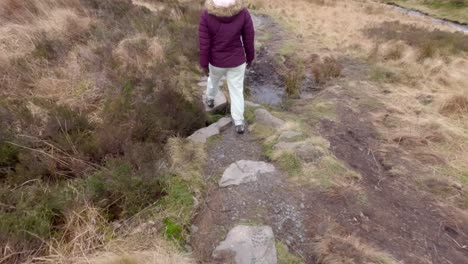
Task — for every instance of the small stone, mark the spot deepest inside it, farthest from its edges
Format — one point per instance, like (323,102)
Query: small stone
(202,84)
(302,205)
(248,245)
(289,135)
(244,171)
(264,117)
(194,229)
(204,79)
(425,99)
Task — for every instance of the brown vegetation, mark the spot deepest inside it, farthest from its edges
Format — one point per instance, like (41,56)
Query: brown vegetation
(91,91)
(456,105)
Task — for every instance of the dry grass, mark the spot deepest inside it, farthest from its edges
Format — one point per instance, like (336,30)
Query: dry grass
(456,105)
(187,158)
(85,87)
(138,248)
(326,70)
(334,249)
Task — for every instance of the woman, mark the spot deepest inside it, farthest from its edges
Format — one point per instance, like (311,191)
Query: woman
(226,48)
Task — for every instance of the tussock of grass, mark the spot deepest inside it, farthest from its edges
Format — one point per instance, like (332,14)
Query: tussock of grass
(329,172)
(290,163)
(187,158)
(456,105)
(326,70)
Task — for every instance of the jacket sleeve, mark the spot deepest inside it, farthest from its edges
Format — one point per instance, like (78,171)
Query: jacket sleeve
(204,41)
(248,37)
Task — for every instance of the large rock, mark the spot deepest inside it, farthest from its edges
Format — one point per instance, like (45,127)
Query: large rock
(220,103)
(303,150)
(244,171)
(264,117)
(202,135)
(248,245)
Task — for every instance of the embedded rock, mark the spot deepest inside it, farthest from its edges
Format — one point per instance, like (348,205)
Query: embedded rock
(244,171)
(264,117)
(248,245)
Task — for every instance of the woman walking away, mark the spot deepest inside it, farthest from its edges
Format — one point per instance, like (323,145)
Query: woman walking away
(227,48)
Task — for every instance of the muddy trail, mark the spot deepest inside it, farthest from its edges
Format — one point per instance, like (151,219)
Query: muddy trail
(393,217)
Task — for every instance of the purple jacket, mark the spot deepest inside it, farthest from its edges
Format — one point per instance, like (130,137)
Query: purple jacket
(226,41)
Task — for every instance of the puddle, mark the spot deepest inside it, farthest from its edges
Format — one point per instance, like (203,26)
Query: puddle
(262,79)
(457,26)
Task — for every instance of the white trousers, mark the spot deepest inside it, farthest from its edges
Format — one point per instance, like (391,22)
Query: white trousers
(235,81)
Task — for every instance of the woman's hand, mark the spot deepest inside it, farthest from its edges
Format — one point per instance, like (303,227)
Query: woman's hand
(206,71)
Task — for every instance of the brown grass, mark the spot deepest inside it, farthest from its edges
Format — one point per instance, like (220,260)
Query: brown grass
(326,70)
(456,105)
(333,249)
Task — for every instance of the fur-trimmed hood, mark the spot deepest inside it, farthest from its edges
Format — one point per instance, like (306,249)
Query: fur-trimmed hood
(224,11)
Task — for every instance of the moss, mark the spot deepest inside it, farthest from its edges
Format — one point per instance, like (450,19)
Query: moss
(285,256)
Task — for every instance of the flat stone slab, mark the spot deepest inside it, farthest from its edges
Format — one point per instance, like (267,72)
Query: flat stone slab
(223,123)
(220,103)
(303,150)
(248,245)
(264,117)
(202,135)
(251,104)
(289,135)
(244,171)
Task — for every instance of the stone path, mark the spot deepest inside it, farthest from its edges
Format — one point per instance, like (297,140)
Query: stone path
(251,190)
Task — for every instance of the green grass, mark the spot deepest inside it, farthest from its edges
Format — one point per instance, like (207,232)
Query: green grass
(249,115)
(382,74)
(290,163)
(318,110)
(285,256)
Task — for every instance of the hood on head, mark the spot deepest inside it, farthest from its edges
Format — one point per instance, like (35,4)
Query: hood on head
(224,8)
